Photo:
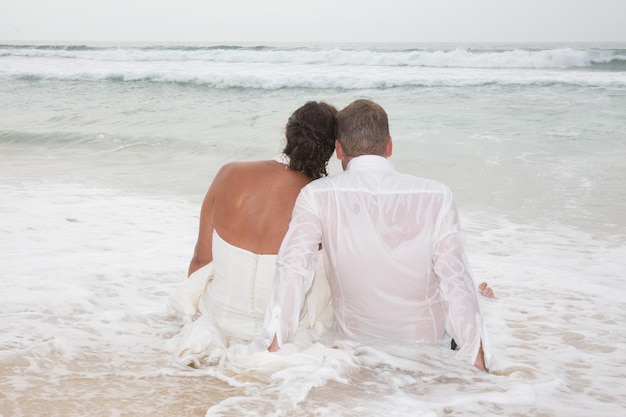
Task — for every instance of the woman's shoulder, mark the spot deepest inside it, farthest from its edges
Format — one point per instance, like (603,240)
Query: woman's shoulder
(241,167)
(261,172)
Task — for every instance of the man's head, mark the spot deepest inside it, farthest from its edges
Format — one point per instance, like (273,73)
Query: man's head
(362,129)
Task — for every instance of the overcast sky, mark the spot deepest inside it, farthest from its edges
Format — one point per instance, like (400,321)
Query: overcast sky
(314,20)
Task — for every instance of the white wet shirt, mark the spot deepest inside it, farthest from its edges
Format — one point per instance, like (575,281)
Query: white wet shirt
(394,255)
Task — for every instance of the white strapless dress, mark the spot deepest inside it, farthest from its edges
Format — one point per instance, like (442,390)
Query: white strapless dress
(228,299)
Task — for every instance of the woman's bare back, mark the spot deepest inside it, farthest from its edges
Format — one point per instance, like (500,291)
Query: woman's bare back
(252,204)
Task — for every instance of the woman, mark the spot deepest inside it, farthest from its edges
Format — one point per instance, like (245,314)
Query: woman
(244,217)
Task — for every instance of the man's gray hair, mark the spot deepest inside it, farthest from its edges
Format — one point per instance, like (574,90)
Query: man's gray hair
(363,129)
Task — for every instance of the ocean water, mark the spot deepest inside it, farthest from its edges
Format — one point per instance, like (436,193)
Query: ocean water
(106,151)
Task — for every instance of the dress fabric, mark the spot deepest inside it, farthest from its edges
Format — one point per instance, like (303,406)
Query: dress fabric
(237,298)
(394,255)
(230,296)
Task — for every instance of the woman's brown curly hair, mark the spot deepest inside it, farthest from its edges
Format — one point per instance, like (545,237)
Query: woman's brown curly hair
(311,132)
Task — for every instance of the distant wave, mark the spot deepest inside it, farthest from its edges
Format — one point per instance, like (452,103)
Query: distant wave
(338,80)
(89,141)
(612,59)
(271,67)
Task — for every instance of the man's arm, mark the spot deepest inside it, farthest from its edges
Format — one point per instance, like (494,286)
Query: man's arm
(450,264)
(464,315)
(295,270)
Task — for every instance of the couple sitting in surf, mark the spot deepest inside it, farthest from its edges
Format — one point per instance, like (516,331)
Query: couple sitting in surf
(246,214)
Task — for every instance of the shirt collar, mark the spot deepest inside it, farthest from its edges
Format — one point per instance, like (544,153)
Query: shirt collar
(369,162)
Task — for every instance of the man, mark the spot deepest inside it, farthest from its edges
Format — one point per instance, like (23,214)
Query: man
(392,246)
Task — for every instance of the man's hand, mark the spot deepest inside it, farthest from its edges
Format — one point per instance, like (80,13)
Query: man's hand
(480,360)
(485,290)
(274,346)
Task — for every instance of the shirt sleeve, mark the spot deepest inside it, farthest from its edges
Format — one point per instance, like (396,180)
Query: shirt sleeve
(295,269)
(464,320)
